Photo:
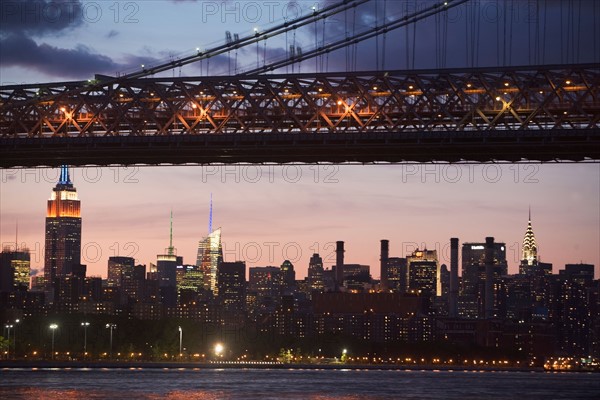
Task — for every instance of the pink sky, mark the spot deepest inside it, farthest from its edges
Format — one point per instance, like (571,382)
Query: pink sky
(269,214)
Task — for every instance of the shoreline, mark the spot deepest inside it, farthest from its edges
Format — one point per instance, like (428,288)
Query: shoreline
(39,364)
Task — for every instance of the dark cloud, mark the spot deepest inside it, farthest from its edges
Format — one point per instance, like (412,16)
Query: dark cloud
(38,17)
(80,62)
(112,34)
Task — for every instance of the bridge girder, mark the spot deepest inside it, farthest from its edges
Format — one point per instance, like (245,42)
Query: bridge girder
(519,104)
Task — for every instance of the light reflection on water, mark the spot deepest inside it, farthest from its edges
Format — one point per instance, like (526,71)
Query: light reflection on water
(346,384)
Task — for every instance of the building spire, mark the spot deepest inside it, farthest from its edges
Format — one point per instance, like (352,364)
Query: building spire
(64,175)
(170,250)
(529,244)
(17,236)
(210,217)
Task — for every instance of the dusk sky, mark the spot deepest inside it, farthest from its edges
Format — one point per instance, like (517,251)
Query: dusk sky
(301,210)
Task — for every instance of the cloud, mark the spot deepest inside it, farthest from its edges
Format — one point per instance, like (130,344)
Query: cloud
(38,17)
(80,62)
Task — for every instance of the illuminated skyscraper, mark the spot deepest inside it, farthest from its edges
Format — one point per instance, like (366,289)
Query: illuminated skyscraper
(14,269)
(423,272)
(530,259)
(210,253)
(63,230)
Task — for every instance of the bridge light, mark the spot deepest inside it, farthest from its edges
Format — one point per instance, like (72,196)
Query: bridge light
(63,109)
(506,84)
(410,87)
(194,105)
(374,87)
(498,98)
(541,92)
(469,85)
(568,82)
(339,103)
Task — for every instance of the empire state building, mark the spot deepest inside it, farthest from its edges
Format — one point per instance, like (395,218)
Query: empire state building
(63,230)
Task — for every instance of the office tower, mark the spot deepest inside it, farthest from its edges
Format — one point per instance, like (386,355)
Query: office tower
(423,275)
(529,260)
(315,273)
(288,276)
(231,281)
(266,283)
(453,290)
(189,277)
(210,253)
(384,256)
(339,264)
(474,276)
(396,268)
(166,271)
(63,230)
(356,276)
(14,270)
(582,274)
(489,277)
(119,268)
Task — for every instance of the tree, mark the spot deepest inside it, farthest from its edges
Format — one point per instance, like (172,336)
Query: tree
(3,344)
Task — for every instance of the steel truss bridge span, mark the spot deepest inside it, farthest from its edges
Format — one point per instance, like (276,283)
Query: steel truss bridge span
(541,113)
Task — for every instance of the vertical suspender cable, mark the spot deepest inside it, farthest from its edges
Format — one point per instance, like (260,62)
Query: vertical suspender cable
(543,60)
(406,42)
(384,35)
(577,58)
(414,49)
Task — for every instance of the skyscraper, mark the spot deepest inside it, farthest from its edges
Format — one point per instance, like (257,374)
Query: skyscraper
(63,230)
(119,268)
(529,259)
(423,272)
(166,272)
(315,273)
(232,286)
(14,269)
(210,254)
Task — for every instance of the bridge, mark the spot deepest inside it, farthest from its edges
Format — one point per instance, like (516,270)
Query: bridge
(535,113)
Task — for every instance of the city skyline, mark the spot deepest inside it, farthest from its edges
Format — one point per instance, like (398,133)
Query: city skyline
(245,240)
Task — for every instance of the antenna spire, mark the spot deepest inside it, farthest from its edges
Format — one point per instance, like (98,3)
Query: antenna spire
(64,175)
(210,217)
(170,250)
(17,236)
(530,213)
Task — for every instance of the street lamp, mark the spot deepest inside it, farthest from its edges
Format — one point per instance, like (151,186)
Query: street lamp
(111,327)
(53,328)
(85,325)
(15,337)
(180,337)
(9,327)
